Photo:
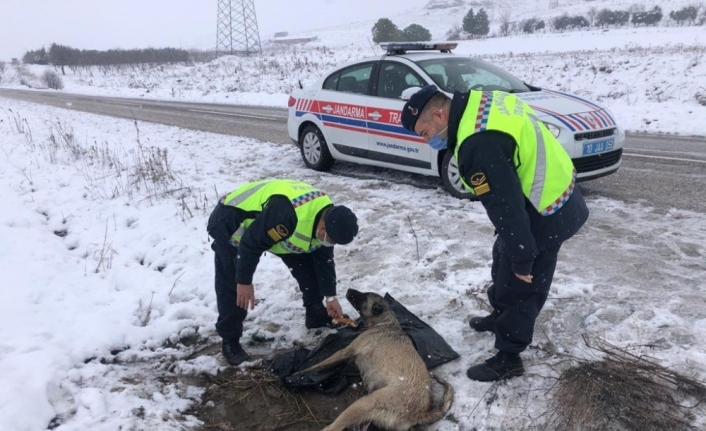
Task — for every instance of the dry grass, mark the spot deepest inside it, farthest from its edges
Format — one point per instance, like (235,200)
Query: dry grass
(627,392)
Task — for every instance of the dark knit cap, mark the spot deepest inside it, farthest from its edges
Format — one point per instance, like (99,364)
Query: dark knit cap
(415,105)
(341,224)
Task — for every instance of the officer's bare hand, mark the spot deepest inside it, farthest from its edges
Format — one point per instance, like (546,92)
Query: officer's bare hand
(246,296)
(526,278)
(334,309)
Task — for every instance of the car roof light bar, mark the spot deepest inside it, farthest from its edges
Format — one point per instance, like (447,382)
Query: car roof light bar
(402,47)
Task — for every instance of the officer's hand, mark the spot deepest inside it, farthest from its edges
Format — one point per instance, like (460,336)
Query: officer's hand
(526,278)
(245,296)
(334,309)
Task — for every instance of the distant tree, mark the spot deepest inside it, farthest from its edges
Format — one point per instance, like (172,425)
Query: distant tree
(651,17)
(505,26)
(561,22)
(3,67)
(688,13)
(385,30)
(36,57)
(607,17)
(60,56)
(416,33)
(469,22)
(578,21)
(531,25)
(15,61)
(482,25)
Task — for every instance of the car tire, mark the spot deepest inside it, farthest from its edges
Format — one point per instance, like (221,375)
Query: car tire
(314,149)
(452,178)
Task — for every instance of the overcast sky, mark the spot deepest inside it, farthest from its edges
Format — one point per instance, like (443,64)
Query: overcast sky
(104,24)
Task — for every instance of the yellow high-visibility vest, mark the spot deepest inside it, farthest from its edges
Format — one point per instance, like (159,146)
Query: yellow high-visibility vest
(546,171)
(306,200)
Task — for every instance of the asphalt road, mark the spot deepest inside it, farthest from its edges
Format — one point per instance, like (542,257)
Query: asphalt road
(661,171)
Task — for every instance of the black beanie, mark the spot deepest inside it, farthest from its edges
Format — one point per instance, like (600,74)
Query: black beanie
(341,224)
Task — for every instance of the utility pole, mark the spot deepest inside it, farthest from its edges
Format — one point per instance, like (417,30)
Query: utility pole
(237,32)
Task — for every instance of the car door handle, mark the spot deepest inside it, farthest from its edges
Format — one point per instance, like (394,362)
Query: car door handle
(375,115)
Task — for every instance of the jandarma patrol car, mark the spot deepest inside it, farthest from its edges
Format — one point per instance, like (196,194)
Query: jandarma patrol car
(353,114)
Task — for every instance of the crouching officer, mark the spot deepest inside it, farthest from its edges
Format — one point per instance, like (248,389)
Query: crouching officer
(292,220)
(526,182)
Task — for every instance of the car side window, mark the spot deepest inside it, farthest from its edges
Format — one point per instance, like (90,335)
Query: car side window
(332,82)
(394,78)
(355,79)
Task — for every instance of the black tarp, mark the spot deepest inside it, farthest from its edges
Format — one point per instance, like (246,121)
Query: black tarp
(432,348)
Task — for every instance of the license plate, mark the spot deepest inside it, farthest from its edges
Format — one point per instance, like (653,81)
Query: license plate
(598,146)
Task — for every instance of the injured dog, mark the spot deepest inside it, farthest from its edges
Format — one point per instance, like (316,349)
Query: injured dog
(400,389)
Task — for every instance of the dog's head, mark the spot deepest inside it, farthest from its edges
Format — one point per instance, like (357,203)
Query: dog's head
(372,307)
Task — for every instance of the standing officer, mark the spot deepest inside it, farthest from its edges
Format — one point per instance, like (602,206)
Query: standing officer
(292,220)
(526,181)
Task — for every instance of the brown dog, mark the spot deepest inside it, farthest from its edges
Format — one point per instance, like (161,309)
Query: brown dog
(399,386)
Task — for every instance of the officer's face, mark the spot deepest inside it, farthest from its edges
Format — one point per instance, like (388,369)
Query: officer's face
(431,123)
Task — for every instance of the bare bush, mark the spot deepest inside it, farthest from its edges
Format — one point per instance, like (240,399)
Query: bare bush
(700,97)
(3,67)
(52,80)
(505,16)
(625,391)
(454,33)
(592,12)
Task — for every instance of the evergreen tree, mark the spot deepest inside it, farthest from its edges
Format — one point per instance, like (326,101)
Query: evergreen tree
(385,31)
(416,33)
(469,22)
(482,24)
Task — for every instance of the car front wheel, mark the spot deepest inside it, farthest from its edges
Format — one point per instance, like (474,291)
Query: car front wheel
(452,178)
(314,149)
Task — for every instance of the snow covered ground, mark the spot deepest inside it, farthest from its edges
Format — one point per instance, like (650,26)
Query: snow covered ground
(107,268)
(107,273)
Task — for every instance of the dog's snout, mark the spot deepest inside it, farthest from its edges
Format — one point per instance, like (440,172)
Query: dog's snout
(355,297)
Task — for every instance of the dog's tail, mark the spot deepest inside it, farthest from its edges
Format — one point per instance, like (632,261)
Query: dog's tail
(439,409)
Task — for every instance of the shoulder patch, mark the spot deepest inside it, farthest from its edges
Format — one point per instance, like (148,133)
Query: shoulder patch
(282,230)
(272,233)
(479,183)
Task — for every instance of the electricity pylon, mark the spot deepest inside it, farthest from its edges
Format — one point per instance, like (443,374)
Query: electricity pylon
(237,31)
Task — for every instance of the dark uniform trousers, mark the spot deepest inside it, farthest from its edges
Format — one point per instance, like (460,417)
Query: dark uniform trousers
(516,302)
(230,316)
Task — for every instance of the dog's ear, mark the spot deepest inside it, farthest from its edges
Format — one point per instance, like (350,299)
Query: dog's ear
(377,309)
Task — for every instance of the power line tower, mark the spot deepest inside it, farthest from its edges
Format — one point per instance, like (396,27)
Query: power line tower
(237,31)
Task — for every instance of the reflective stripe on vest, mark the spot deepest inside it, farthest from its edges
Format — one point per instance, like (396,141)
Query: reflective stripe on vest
(536,147)
(306,201)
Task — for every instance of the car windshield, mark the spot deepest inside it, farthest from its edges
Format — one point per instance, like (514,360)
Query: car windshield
(463,73)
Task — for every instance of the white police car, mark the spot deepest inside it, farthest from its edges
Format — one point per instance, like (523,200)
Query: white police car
(353,114)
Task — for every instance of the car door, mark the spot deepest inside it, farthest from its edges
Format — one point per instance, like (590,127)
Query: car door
(342,105)
(389,141)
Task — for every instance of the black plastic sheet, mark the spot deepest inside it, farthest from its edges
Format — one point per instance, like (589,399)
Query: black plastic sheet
(431,346)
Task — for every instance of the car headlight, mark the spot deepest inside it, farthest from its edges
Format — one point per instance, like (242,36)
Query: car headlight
(555,131)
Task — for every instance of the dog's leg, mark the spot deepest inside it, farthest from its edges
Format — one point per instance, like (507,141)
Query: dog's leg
(339,356)
(372,408)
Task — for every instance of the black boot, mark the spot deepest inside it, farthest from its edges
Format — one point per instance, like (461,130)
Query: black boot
(316,316)
(233,352)
(485,323)
(503,365)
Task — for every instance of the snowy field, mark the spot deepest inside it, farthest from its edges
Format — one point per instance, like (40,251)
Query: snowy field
(107,270)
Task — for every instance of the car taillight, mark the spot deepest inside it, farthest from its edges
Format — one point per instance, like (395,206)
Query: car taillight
(291,101)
